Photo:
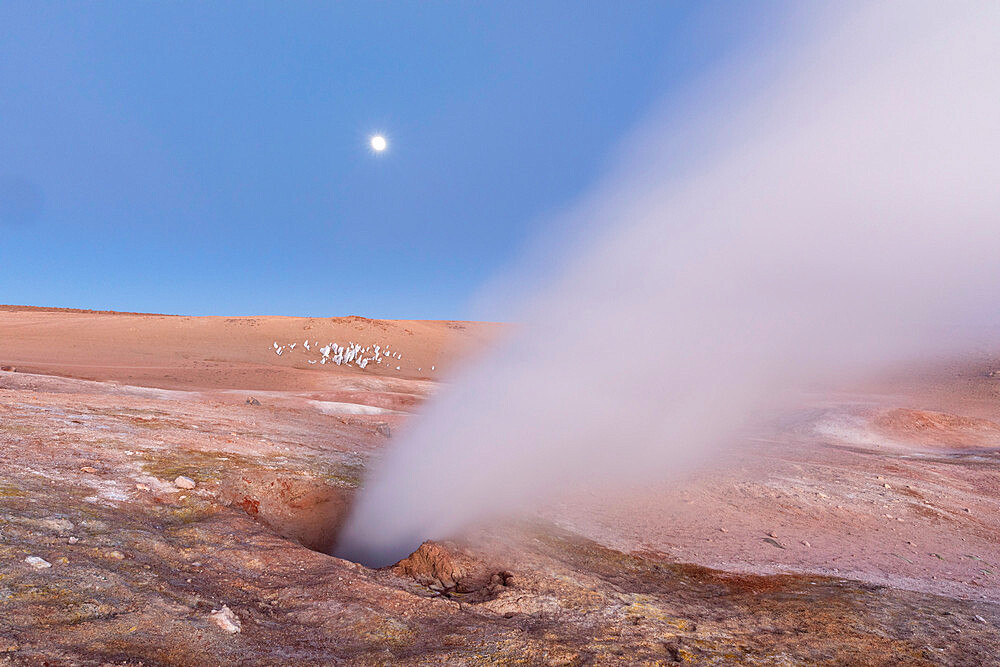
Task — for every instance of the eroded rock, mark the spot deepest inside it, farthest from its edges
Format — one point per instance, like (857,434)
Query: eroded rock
(445,568)
(37,562)
(226,619)
(183,482)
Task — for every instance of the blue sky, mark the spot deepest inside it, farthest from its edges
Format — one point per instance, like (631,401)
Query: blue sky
(212,158)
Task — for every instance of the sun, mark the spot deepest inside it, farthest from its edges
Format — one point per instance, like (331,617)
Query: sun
(378,143)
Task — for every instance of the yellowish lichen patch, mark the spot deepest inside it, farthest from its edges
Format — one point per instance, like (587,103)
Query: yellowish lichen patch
(11,491)
(385,632)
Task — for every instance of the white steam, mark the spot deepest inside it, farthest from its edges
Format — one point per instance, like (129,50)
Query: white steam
(845,211)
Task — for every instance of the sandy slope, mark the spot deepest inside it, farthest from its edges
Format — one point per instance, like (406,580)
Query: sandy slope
(179,352)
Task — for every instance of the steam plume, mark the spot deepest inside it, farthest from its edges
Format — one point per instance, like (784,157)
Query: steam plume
(841,210)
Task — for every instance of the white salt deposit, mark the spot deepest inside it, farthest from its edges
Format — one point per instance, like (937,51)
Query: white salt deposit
(337,408)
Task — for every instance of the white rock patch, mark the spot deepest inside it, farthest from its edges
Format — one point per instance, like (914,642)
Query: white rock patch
(226,619)
(183,482)
(37,563)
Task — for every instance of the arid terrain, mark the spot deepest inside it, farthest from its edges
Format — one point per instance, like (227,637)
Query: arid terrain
(170,487)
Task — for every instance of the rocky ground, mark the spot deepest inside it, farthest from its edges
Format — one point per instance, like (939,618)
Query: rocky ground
(188,525)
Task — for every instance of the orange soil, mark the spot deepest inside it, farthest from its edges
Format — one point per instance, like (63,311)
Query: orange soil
(204,353)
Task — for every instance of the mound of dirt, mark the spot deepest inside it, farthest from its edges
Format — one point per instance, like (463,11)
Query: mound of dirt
(447,569)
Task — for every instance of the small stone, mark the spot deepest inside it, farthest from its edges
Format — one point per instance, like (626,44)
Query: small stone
(89,469)
(142,487)
(183,482)
(772,534)
(805,543)
(37,563)
(966,509)
(723,530)
(226,619)
(887,486)
(252,401)
(117,555)
(73,540)
(980,618)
